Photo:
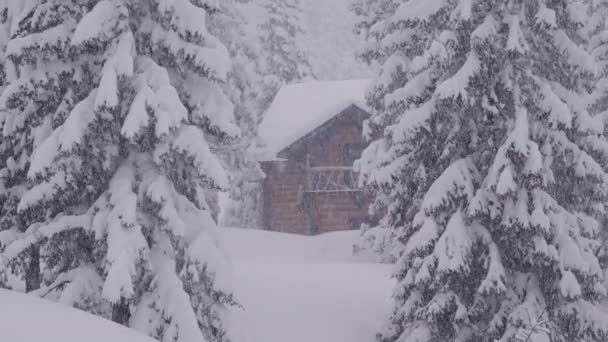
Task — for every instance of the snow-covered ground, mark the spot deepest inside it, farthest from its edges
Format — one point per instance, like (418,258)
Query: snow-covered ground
(293,288)
(307,289)
(25,318)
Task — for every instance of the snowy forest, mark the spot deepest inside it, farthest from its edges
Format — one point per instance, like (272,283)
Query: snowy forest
(304,170)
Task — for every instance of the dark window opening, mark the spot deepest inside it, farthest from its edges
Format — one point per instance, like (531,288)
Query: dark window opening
(353,152)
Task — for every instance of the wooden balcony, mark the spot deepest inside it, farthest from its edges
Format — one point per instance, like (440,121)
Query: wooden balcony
(321,179)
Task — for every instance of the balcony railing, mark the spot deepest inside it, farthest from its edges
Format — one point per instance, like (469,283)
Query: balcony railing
(331,179)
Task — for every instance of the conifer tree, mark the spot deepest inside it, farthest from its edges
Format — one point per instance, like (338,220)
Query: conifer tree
(597,29)
(119,175)
(598,101)
(489,166)
(369,13)
(283,58)
(4,186)
(37,95)
(4,33)
(248,91)
(381,239)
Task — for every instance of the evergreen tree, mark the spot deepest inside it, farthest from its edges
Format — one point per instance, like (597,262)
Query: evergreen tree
(39,77)
(488,165)
(5,20)
(597,29)
(4,35)
(598,102)
(248,92)
(4,185)
(381,240)
(282,57)
(369,13)
(119,174)
(241,206)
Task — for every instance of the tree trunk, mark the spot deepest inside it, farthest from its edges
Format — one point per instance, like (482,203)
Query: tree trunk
(32,269)
(121,313)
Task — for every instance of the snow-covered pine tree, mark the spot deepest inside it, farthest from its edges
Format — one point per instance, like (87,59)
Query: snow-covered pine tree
(241,205)
(487,162)
(370,12)
(5,21)
(247,90)
(40,76)
(4,34)
(598,103)
(4,186)
(258,73)
(597,30)
(118,198)
(381,239)
(283,58)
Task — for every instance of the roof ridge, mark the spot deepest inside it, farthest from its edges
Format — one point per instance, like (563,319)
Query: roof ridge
(299,108)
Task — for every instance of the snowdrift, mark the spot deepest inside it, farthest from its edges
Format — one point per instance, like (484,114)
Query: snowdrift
(260,246)
(307,289)
(28,319)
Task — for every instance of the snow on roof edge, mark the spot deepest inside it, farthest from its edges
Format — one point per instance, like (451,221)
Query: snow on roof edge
(337,110)
(273,154)
(299,109)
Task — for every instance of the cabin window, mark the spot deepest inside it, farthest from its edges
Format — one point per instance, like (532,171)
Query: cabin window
(353,152)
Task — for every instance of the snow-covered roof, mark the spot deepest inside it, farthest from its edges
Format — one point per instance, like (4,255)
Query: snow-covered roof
(298,109)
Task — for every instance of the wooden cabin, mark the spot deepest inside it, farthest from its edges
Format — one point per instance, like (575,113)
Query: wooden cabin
(313,133)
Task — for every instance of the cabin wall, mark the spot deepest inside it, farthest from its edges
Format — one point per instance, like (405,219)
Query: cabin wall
(288,208)
(336,211)
(329,148)
(282,197)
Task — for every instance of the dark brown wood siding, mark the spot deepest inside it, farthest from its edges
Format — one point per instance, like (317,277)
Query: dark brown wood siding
(289,207)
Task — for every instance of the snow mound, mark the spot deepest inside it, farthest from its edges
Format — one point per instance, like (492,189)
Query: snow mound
(301,289)
(29,319)
(300,108)
(313,302)
(261,246)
